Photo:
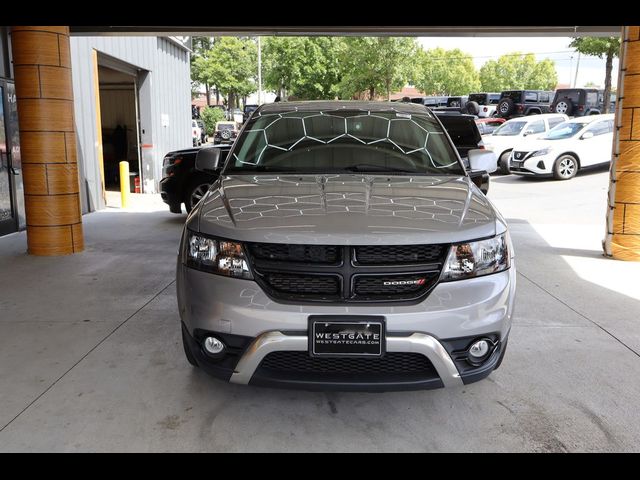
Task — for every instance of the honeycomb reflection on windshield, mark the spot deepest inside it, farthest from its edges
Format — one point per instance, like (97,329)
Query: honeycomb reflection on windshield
(338,139)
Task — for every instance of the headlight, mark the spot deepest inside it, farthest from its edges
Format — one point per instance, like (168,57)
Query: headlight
(473,259)
(544,151)
(216,256)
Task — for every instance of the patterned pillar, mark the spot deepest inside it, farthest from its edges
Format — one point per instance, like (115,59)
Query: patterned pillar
(42,67)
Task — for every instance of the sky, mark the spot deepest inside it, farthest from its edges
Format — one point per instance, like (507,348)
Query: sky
(591,69)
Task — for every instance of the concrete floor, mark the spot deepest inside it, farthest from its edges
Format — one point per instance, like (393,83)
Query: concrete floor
(102,369)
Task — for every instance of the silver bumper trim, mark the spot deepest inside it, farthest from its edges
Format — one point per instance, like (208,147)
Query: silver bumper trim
(417,342)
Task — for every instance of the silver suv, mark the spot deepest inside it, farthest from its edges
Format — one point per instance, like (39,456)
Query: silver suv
(345,246)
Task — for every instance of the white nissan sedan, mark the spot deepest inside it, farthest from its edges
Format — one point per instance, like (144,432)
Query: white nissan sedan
(571,146)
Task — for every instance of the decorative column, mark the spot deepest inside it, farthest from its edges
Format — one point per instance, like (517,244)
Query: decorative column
(42,67)
(623,215)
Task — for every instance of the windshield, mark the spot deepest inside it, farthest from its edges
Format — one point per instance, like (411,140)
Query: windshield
(509,128)
(335,141)
(564,130)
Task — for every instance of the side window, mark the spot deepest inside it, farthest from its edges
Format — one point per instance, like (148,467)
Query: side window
(536,127)
(592,98)
(600,128)
(543,97)
(530,97)
(553,121)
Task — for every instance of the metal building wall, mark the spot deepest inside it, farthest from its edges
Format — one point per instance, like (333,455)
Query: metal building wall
(168,97)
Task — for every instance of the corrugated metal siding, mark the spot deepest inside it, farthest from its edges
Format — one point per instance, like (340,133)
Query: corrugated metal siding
(169,69)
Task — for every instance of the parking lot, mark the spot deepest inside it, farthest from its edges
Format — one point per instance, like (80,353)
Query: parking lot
(91,357)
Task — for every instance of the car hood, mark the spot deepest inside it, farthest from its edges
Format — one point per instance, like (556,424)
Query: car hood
(347,209)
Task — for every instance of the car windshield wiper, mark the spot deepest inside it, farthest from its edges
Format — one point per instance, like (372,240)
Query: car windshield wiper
(367,167)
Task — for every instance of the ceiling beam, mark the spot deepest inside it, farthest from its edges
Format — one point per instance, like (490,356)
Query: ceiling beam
(380,30)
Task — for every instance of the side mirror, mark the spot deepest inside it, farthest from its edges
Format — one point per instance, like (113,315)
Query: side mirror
(482,160)
(208,159)
(586,135)
(527,132)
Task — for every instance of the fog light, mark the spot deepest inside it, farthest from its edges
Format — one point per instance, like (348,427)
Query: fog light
(478,350)
(213,345)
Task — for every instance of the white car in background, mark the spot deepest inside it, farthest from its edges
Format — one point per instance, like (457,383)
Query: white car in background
(573,145)
(514,131)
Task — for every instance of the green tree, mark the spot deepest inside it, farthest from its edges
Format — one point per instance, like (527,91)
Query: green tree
(199,63)
(307,67)
(233,66)
(517,71)
(376,65)
(607,47)
(210,116)
(446,72)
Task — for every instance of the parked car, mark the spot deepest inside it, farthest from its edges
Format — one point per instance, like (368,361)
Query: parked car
(464,134)
(482,104)
(356,254)
(487,126)
(181,183)
(431,101)
(453,104)
(513,131)
(518,103)
(203,131)
(226,132)
(248,110)
(577,102)
(196,133)
(573,145)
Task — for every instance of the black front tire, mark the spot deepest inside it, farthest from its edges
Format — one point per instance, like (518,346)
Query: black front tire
(505,169)
(194,192)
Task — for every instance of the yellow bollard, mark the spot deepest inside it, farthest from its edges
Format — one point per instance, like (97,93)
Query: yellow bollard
(125,186)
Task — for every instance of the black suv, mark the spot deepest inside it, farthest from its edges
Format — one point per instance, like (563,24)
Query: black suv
(577,102)
(517,103)
(181,182)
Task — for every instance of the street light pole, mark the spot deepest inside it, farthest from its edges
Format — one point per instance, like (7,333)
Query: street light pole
(259,71)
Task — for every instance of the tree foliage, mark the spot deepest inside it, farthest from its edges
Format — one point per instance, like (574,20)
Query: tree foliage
(516,71)
(446,72)
(210,116)
(601,47)
(306,67)
(597,46)
(377,65)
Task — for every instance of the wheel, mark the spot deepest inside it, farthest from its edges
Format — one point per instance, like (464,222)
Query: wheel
(503,163)
(564,106)
(566,167)
(225,134)
(187,350)
(505,107)
(473,108)
(194,193)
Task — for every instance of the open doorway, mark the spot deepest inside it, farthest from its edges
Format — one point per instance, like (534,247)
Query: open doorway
(119,114)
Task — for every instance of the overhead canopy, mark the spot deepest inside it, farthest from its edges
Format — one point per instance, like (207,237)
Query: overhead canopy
(338,30)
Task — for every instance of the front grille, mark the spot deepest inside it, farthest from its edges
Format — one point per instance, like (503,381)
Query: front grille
(389,286)
(346,274)
(392,363)
(295,253)
(303,284)
(397,254)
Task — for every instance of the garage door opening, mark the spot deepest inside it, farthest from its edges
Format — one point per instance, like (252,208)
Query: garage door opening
(119,114)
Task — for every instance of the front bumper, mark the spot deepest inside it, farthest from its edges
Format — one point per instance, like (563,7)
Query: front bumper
(453,314)
(538,166)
